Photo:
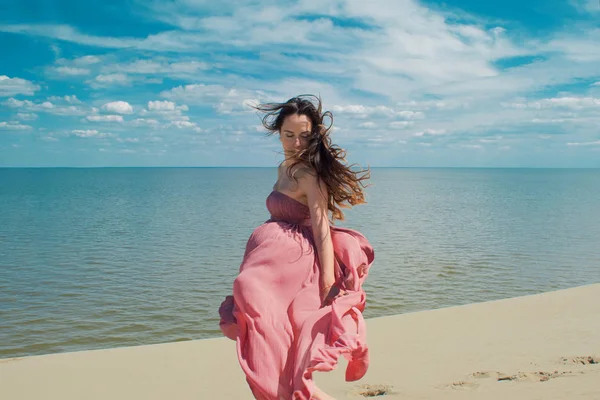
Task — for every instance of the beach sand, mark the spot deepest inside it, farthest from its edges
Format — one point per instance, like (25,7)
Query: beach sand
(544,346)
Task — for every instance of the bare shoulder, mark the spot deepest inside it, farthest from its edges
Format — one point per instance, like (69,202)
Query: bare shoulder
(303,172)
(309,182)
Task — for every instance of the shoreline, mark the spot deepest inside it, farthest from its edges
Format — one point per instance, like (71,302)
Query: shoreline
(544,345)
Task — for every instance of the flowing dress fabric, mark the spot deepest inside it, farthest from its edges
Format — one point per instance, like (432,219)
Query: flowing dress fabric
(283,333)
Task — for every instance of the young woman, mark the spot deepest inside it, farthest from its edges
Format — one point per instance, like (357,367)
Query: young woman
(298,300)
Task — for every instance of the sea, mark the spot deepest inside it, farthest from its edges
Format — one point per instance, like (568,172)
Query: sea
(94,258)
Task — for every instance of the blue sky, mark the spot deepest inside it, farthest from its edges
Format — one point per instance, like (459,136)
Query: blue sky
(410,83)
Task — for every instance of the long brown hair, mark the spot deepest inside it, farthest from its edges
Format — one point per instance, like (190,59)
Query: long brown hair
(344,186)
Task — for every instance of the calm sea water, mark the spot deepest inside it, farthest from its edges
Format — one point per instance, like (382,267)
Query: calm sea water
(98,258)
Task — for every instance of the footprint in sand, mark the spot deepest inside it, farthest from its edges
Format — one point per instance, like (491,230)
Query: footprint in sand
(460,385)
(373,390)
(539,376)
(585,360)
(535,376)
(498,376)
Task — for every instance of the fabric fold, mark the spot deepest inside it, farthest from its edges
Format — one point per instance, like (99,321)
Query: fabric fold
(283,333)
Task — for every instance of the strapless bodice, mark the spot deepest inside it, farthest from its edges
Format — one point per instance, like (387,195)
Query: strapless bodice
(284,208)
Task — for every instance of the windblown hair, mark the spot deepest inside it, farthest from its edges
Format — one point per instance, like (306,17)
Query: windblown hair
(344,186)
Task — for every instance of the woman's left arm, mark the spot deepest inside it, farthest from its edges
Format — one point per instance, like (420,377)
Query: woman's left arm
(317,198)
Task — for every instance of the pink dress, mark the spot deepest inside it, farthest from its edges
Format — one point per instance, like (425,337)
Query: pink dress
(282,332)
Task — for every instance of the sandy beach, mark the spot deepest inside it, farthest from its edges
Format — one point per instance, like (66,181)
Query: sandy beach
(544,346)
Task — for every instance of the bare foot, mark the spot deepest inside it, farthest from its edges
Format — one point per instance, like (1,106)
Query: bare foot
(321,395)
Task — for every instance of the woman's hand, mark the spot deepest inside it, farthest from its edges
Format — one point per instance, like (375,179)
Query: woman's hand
(326,287)
(329,291)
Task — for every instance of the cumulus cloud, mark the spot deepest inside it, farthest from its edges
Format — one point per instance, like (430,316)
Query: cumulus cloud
(185,125)
(90,133)
(165,110)
(399,69)
(70,71)
(45,107)
(110,79)
(147,122)
(14,86)
(224,100)
(68,99)
(161,105)
(14,126)
(118,107)
(105,118)
(27,116)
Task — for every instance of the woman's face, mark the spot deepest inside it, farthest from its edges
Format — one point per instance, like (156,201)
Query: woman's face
(295,133)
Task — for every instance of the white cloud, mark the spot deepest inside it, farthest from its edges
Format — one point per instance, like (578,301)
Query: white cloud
(68,34)
(85,133)
(401,124)
(102,81)
(14,86)
(88,133)
(144,122)
(159,66)
(128,140)
(548,121)
(431,132)
(118,107)
(70,71)
(407,69)
(367,125)
(105,118)
(557,102)
(425,105)
(14,126)
(586,6)
(68,99)
(362,111)
(196,93)
(161,105)
(594,143)
(185,125)
(110,79)
(410,114)
(87,60)
(14,103)
(582,46)
(27,116)
(224,100)
(163,110)
(491,140)
(68,111)
(46,107)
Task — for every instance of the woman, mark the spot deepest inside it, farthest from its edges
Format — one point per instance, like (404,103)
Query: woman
(298,300)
